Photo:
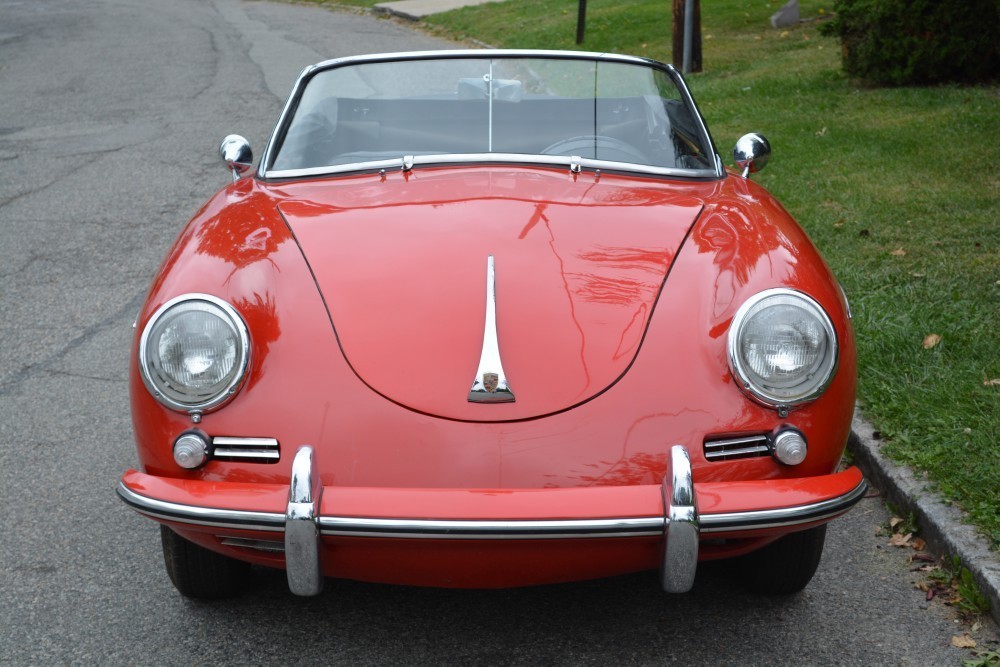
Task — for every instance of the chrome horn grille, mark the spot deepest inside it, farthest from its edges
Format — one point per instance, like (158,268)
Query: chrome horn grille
(249,450)
(741,447)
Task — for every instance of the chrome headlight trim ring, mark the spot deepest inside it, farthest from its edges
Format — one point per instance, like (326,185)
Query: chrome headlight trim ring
(221,396)
(809,389)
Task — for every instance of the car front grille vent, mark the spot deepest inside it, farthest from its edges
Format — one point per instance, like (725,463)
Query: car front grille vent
(742,447)
(247,450)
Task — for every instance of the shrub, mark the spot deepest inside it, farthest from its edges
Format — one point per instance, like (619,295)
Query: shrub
(903,42)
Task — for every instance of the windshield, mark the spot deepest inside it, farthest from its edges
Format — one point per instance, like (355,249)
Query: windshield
(360,115)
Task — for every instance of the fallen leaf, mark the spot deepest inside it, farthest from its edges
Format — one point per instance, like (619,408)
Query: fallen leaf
(784,34)
(930,595)
(918,544)
(898,540)
(923,558)
(895,521)
(995,382)
(898,252)
(931,340)
(822,132)
(963,641)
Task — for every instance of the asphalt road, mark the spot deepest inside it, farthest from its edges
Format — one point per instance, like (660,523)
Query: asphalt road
(110,116)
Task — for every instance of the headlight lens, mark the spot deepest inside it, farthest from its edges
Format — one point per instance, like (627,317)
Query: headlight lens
(782,347)
(194,352)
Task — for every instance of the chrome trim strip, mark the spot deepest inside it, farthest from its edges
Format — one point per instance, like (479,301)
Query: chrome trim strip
(680,524)
(230,441)
(490,385)
(270,546)
(726,453)
(489,107)
(285,117)
(469,529)
(783,516)
(748,446)
(201,516)
(246,448)
(743,440)
(570,162)
(706,136)
(269,455)
(302,543)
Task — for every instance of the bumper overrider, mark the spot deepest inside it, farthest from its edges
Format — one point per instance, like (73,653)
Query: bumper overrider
(678,511)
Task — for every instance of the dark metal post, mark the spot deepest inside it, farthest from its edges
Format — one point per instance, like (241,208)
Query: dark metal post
(678,34)
(581,20)
(688,33)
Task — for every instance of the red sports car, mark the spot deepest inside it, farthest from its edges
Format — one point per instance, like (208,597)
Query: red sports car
(486,319)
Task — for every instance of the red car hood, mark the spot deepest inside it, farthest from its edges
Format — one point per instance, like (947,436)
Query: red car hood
(402,262)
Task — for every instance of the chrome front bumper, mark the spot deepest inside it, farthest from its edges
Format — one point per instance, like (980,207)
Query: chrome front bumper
(678,522)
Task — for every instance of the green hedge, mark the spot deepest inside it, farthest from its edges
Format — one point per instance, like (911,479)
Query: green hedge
(905,42)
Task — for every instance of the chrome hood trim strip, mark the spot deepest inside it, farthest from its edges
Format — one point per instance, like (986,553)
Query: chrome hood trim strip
(490,385)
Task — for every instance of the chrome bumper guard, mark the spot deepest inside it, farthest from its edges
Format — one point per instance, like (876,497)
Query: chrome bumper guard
(303,528)
(302,541)
(680,525)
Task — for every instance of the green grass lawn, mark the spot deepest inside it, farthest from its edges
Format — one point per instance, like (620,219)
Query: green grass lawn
(899,188)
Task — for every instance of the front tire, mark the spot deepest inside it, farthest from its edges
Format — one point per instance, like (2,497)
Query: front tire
(786,565)
(199,573)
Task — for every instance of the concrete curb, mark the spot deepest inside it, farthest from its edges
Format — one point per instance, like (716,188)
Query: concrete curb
(941,524)
(416,10)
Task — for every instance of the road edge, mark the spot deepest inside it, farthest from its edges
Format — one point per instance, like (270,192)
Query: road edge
(942,525)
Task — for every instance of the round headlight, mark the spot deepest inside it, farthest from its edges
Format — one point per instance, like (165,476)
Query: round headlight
(194,352)
(782,347)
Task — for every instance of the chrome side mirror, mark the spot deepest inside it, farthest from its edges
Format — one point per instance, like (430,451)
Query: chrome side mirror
(751,153)
(236,153)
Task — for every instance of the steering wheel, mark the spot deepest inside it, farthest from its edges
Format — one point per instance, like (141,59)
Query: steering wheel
(607,148)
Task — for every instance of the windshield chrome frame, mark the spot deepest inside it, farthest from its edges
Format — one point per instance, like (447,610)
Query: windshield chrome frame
(265,172)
